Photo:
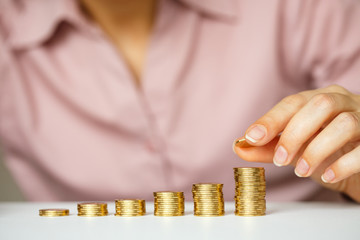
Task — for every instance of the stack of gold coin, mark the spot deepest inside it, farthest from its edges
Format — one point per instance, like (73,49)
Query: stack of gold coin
(208,199)
(169,204)
(53,212)
(130,207)
(92,209)
(250,191)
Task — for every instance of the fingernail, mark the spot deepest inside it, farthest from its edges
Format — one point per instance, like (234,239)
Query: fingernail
(241,143)
(233,146)
(328,176)
(302,168)
(280,156)
(256,133)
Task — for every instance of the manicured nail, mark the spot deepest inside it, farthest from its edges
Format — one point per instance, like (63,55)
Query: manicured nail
(302,168)
(241,143)
(256,133)
(328,176)
(280,156)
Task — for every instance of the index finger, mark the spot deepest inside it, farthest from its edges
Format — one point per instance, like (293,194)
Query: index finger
(274,121)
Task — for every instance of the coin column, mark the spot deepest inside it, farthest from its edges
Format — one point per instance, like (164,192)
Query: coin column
(208,199)
(169,204)
(54,212)
(130,207)
(250,191)
(92,209)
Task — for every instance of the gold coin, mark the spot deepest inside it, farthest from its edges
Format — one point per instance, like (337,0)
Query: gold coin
(208,214)
(249,169)
(242,143)
(168,193)
(94,204)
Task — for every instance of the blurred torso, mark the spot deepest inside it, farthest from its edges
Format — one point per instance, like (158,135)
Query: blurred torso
(76,126)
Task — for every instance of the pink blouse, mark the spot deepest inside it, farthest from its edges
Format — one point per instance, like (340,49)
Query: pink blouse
(74,126)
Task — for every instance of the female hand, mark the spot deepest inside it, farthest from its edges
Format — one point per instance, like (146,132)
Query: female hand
(316,131)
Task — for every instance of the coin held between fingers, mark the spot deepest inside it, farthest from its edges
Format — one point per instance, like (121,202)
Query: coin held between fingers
(242,143)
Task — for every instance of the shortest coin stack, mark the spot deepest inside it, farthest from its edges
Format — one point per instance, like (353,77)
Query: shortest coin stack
(53,212)
(130,207)
(208,199)
(92,209)
(169,204)
(250,191)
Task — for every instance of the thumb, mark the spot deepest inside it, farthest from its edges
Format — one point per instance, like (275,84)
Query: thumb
(263,153)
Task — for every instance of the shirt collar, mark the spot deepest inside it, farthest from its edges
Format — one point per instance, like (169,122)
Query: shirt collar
(34,22)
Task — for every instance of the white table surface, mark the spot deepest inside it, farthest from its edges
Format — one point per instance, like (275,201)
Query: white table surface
(339,221)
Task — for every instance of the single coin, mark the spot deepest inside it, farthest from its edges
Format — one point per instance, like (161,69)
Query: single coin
(242,143)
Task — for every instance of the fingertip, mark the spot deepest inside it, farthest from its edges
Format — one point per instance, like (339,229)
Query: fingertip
(277,164)
(256,133)
(255,154)
(328,176)
(241,143)
(323,179)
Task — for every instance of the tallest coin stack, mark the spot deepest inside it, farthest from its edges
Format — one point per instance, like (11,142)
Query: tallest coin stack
(250,192)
